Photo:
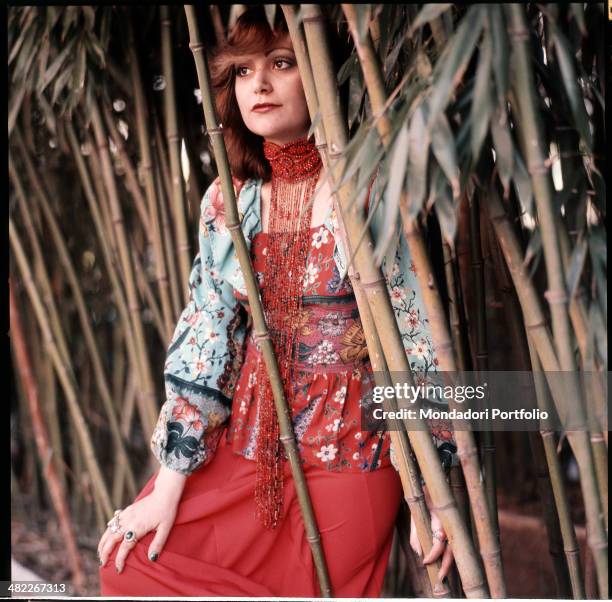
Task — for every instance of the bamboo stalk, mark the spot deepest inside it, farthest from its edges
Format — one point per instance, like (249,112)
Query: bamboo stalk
(371,280)
(132,183)
(111,267)
(408,471)
(535,324)
(164,194)
(215,17)
(41,439)
(552,491)
(482,354)
(64,372)
(178,201)
(146,165)
(487,534)
(147,405)
(148,296)
(259,324)
(90,339)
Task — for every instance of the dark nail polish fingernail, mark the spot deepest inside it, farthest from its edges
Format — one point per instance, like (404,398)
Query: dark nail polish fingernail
(154,557)
(118,570)
(100,561)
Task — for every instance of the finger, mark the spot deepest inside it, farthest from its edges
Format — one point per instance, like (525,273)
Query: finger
(109,545)
(102,541)
(124,549)
(447,561)
(415,544)
(436,551)
(159,541)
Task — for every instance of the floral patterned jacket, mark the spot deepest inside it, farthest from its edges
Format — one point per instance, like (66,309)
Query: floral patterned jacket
(206,353)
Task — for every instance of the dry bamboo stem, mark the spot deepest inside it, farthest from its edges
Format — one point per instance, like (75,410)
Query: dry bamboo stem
(146,165)
(372,281)
(51,478)
(482,354)
(558,519)
(457,327)
(535,324)
(411,485)
(90,340)
(133,185)
(178,201)
(64,372)
(487,534)
(215,17)
(259,324)
(164,194)
(147,398)
(148,296)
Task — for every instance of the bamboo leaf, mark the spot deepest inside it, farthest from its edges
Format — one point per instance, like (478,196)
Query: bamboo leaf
(105,25)
(26,30)
(570,81)
(446,214)
(450,67)
(577,10)
(501,51)
(504,149)
(357,90)
(94,47)
(53,15)
(363,12)
(480,113)
(270,10)
(70,15)
(43,56)
(417,166)
(80,70)
(24,56)
(14,106)
(443,147)
(397,169)
(89,14)
(598,332)
(429,12)
(576,265)
(347,68)
(534,248)
(522,184)
(60,84)
(391,59)
(56,65)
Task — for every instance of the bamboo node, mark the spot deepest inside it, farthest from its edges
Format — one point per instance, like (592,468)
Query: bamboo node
(215,130)
(195,46)
(445,506)
(173,138)
(491,555)
(518,34)
(597,545)
(183,247)
(414,499)
(262,337)
(313,538)
(539,324)
(166,22)
(467,454)
(315,19)
(372,283)
(321,147)
(473,588)
(233,226)
(554,297)
(535,169)
(286,438)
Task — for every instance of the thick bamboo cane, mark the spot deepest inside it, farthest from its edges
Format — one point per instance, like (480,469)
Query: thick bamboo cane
(174,145)
(380,305)
(535,324)
(131,179)
(146,165)
(64,373)
(482,353)
(408,471)
(90,340)
(259,323)
(56,491)
(552,489)
(487,534)
(147,397)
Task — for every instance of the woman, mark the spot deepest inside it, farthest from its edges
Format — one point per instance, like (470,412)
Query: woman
(221,517)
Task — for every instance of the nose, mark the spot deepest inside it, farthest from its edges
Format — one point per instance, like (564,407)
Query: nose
(261,85)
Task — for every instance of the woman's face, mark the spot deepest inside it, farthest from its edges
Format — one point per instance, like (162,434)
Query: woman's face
(272,80)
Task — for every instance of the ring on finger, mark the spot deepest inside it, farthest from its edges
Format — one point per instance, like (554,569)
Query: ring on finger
(440,535)
(130,537)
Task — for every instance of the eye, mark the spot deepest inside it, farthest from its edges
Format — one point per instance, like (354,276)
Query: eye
(241,71)
(281,63)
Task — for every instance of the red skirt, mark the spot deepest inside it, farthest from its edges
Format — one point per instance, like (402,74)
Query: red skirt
(218,548)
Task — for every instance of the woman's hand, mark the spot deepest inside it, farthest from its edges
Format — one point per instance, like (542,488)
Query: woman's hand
(156,511)
(439,541)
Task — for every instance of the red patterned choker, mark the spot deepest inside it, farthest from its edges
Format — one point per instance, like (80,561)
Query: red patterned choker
(293,162)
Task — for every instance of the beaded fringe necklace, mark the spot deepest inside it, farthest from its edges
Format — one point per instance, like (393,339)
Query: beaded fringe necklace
(295,171)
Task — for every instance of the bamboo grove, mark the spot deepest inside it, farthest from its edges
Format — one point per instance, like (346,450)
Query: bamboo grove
(485,125)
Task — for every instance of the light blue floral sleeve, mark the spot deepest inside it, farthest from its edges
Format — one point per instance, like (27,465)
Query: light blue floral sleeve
(204,357)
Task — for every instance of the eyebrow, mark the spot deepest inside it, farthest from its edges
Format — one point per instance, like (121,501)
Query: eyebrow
(279,48)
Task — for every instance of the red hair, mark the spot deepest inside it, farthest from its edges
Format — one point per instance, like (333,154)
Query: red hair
(250,35)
